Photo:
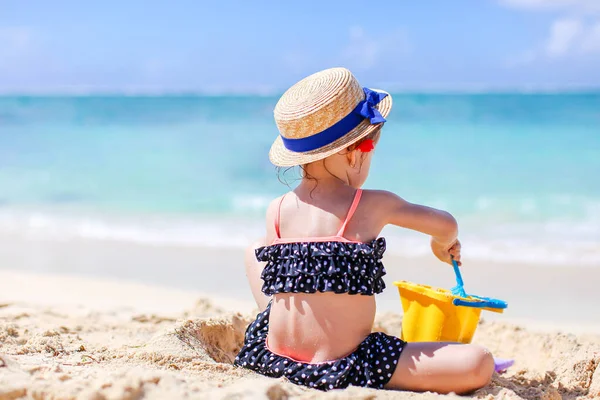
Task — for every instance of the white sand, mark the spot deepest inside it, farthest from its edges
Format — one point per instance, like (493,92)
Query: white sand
(64,338)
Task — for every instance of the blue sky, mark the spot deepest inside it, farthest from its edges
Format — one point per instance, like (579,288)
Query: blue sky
(264,46)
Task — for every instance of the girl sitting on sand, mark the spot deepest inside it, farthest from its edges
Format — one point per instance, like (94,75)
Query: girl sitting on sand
(320,261)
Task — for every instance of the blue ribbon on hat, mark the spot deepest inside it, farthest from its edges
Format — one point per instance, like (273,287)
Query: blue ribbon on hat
(364,109)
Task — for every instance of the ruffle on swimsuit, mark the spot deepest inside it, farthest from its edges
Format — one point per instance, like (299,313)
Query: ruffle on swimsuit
(310,267)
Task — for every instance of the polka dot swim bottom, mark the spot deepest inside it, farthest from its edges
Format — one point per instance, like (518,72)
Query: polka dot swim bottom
(370,365)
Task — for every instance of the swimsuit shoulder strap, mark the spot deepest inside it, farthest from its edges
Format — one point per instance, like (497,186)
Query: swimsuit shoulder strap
(278,217)
(351,211)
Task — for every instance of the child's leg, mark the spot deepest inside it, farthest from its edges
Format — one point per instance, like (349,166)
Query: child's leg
(253,270)
(442,368)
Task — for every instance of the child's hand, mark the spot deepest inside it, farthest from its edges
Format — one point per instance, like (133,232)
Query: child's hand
(455,252)
(446,252)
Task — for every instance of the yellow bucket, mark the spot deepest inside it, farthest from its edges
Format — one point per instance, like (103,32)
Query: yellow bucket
(432,314)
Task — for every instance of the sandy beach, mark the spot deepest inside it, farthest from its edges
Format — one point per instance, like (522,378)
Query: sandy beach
(142,145)
(168,322)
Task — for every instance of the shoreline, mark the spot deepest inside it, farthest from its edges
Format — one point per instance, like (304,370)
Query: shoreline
(558,296)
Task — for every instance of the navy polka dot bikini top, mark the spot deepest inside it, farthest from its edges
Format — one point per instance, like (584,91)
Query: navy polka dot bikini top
(324,264)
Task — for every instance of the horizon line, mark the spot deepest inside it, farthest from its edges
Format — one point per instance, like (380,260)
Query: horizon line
(393,89)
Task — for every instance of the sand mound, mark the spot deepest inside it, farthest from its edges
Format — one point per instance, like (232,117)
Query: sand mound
(206,340)
(221,337)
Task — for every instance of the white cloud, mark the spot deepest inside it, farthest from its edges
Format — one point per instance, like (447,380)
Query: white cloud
(569,35)
(577,31)
(573,37)
(575,6)
(564,35)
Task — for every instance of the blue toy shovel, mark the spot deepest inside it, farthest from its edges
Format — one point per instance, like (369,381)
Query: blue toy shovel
(500,364)
(470,300)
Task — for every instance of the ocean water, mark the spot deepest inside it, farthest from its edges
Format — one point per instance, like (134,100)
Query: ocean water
(520,172)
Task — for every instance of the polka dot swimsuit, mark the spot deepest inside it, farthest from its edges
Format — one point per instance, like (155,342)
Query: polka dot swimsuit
(370,365)
(338,266)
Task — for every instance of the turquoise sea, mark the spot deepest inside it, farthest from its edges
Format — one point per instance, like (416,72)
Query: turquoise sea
(521,172)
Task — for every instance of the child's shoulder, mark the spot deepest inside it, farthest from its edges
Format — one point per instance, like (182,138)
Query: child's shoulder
(382,198)
(384,206)
(275,205)
(276,202)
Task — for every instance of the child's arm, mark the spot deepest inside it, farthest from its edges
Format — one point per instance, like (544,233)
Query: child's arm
(254,270)
(270,217)
(440,225)
(254,267)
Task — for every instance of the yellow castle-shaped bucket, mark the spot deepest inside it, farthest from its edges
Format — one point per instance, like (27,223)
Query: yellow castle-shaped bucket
(438,315)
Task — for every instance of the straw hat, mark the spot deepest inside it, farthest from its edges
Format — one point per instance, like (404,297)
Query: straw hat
(323,114)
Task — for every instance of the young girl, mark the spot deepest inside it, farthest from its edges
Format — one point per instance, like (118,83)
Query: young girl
(320,262)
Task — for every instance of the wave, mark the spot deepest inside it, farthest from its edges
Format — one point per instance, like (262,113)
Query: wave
(518,249)
(549,243)
(143,230)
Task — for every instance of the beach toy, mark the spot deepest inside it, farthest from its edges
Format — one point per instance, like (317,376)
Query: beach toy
(440,315)
(502,364)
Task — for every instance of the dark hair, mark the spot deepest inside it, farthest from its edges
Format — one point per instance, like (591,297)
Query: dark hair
(374,136)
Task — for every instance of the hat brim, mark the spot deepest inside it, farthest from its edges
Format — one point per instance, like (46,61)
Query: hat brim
(282,157)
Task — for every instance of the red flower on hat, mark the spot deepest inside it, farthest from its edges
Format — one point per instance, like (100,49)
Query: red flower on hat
(366,146)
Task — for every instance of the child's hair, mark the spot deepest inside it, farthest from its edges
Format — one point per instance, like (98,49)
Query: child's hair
(374,136)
